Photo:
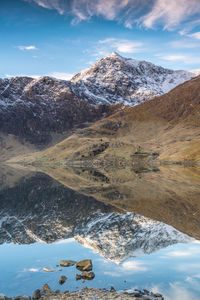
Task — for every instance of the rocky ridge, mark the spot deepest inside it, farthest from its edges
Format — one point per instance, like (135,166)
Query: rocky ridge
(34,109)
(125,80)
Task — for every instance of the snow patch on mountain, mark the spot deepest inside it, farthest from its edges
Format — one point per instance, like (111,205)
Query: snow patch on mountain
(118,237)
(118,79)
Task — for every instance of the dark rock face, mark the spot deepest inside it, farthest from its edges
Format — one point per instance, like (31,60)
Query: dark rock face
(38,208)
(33,109)
(128,81)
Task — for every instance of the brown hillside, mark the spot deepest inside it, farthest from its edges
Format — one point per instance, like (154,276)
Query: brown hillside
(168,125)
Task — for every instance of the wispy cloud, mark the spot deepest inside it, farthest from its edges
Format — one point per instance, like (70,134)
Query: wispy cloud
(61,75)
(21,75)
(171,13)
(149,13)
(195,35)
(183,58)
(123,46)
(58,75)
(28,48)
(184,44)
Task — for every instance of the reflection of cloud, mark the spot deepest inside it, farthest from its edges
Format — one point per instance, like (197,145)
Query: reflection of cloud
(179,253)
(191,251)
(179,292)
(135,266)
(112,273)
(31,270)
(128,267)
(184,267)
(67,241)
(175,291)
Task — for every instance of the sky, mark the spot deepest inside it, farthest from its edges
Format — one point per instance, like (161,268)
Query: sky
(62,37)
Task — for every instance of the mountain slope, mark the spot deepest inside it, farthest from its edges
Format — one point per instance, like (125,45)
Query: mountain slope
(129,81)
(165,128)
(37,113)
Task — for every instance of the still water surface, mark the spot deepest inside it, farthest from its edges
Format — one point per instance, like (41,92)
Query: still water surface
(141,229)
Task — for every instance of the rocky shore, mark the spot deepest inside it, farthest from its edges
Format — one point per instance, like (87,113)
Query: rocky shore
(85,266)
(88,294)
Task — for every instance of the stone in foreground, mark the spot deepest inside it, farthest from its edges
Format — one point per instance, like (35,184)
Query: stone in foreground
(84,265)
(48,270)
(85,275)
(67,263)
(62,279)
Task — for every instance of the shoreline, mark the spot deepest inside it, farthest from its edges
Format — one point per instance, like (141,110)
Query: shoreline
(88,294)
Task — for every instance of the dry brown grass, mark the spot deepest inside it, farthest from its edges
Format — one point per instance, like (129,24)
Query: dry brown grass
(169,125)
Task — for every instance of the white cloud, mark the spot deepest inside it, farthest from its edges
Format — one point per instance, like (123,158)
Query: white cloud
(21,75)
(32,47)
(123,46)
(58,75)
(186,59)
(174,57)
(171,13)
(168,13)
(61,75)
(185,43)
(195,35)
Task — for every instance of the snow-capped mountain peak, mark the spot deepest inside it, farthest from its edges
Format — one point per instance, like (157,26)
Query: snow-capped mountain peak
(126,80)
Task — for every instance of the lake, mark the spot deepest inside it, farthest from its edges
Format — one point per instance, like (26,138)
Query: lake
(140,227)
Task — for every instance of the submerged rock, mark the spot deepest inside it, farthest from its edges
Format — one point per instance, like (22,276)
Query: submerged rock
(84,265)
(62,279)
(48,270)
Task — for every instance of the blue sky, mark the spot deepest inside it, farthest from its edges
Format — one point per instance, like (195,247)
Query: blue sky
(61,37)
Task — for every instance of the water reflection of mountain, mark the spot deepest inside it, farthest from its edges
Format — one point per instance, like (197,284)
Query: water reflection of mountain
(37,208)
(170,194)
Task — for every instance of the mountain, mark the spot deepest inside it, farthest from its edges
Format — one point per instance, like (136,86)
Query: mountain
(125,80)
(35,108)
(37,208)
(166,128)
(38,113)
(118,237)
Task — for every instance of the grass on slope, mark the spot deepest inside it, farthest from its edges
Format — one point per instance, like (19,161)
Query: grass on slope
(168,125)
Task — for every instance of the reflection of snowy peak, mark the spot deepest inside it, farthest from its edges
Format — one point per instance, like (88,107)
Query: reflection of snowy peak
(118,237)
(118,79)
(39,209)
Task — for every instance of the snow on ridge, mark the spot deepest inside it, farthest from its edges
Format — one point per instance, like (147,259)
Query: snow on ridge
(118,237)
(113,79)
